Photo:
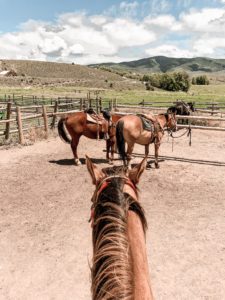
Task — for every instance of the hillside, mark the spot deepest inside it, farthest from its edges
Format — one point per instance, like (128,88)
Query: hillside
(54,70)
(169,64)
(50,73)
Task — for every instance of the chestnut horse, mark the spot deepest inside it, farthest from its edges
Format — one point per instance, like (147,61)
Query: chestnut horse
(130,129)
(77,125)
(120,266)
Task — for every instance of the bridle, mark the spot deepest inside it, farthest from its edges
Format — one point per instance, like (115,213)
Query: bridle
(103,184)
(169,129)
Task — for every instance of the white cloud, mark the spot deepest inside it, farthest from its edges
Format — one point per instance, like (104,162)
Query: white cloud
(102,38)
(129,9)
(75,37)
(205,20)
(163,21)
(207,46)
(124,10)
(126,33)
(168,50)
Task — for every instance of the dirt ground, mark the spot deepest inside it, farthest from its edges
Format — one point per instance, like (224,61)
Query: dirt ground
(45,237)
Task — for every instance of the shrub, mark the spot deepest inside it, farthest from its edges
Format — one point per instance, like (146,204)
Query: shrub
(177,81)
(149,87)
(200,80)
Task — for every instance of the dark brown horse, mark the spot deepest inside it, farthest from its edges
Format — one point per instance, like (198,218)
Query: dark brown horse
(130,129)
(120,264)
(78,125)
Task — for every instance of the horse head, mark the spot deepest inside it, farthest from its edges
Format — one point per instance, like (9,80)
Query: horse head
(191,106)
(117,217)
(171,122)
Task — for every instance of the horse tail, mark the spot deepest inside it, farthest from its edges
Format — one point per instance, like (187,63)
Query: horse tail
(62,132)
(120,141)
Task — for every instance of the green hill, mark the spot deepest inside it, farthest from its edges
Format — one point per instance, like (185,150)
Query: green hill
(169,64)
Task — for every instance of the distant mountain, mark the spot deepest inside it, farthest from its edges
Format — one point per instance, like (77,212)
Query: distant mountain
(168,64)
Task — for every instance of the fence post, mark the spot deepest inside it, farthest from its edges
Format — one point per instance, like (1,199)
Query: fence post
(45,117)
(89,103)
(81,104)
(115,103)
(8,114)
(20,125)
(110,104)
(100,104)
(96,104)
(54,116)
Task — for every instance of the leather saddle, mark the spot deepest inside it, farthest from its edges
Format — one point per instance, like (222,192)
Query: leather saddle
(98,119)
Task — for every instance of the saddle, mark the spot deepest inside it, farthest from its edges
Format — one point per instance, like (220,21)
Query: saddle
(98,119)
(150,123)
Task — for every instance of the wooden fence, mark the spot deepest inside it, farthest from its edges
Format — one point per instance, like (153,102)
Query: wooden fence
(16,117)
(208,107)
(21,118)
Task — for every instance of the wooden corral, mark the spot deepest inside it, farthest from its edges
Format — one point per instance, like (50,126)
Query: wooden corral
(44,114)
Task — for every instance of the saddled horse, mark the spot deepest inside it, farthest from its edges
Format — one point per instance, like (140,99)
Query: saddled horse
(130,129)
(77,124)
(120,266)
(182,108)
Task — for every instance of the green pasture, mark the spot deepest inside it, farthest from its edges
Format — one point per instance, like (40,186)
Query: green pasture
(208,93)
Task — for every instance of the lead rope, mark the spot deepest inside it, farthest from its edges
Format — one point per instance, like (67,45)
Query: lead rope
(189,134)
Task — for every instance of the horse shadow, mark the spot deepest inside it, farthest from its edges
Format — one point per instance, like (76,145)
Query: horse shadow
(70,162)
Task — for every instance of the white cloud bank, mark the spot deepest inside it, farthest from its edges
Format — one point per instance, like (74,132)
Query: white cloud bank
(87,39)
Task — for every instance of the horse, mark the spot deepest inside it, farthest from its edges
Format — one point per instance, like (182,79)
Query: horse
(78,125)
(120,266)
(130,129)
(183,109)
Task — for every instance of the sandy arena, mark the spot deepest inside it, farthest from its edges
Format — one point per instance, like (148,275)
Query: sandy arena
(45,237)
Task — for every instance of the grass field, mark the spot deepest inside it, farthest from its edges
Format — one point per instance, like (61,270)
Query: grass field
(207,93)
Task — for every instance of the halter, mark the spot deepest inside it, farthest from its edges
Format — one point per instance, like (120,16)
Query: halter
(169,129)
(103,185)
(105,182)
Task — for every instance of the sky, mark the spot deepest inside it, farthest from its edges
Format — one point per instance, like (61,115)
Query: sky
(97,31)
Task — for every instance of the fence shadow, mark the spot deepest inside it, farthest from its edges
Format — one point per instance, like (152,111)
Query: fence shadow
(183,159)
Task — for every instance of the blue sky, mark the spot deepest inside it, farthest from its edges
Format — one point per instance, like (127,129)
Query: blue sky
(101,31)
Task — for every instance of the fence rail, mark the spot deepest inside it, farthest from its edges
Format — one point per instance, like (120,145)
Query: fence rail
(20,118)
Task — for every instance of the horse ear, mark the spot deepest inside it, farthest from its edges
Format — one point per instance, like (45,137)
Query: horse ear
(136,172)
(95,172)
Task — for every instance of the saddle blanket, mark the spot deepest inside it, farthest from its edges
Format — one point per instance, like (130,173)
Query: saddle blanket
(147,124)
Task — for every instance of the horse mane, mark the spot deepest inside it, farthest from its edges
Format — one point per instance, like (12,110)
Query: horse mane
(112,274)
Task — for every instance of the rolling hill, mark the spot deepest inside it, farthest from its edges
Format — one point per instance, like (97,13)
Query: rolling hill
(27,72)
(168,64)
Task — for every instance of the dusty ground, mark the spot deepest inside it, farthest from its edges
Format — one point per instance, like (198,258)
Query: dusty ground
(45,239)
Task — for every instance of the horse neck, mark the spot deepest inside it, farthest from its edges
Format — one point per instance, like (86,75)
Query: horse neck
(112,274)
(136,236)
(162,120)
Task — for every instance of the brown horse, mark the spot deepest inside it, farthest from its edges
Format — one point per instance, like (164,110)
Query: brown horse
(120,266)
(78,125)
(130,129)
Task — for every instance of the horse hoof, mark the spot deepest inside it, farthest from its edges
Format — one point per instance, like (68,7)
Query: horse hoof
(157,166)
(77,162)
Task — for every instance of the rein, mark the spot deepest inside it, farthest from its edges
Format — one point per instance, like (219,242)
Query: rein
(188,131)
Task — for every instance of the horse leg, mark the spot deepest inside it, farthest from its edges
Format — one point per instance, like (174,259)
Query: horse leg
(157,144)
(74,144)
(130,148)
(146,152)
(110,146)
